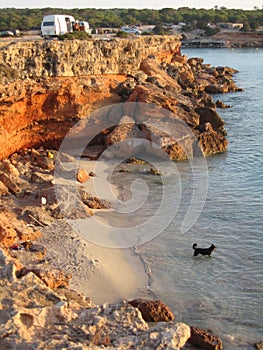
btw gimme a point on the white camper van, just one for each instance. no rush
(54, 25)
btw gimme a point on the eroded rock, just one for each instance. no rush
(205, 339)
(153, 310)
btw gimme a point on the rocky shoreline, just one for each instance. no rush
(44, 91)
(36, 299)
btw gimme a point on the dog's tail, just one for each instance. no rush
(194, 245)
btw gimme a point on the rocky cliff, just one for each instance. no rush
(46, 86)
(45, 58)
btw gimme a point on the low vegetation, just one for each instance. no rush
(29, 19)
(75, 35)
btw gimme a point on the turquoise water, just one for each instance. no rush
(224, 292)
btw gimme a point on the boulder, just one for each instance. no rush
(53, 278)
(211, 142)
(151, 67)
(153, 310)
(125, 129)
(205, 339)
(82, 175)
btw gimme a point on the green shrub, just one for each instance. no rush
(211, 31)
(122, 34)
(75, 35)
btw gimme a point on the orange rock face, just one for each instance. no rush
(35, 113)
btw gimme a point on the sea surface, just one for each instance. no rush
(223, 293)
(218, 200)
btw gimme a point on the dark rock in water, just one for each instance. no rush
(205, 339)
(153, 310)
(211, 116)
(155, 171)
(93, 152)
(221, 104)
(134, 160)
(94, 202)
(211, 143)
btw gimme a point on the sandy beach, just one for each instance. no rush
(104, 274)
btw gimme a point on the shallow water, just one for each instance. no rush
(224, 292)
(220, 201)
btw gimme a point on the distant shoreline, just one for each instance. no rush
(224, 39)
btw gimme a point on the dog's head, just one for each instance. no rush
(213, 247)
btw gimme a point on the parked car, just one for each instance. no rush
(131, 30)
(7, 33)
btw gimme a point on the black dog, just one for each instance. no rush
(203, 251)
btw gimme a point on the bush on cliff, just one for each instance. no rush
(122, 34)
(75, 35)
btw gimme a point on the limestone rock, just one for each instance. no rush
(125, 129)
(51, 277)
(68, 321)
(211, 143)
(144, 69)
(76, 58)
(11, 182)
(12, 229)
(45, 162)
(259, 345)
(9, 168)
(41, 177)
(153, 310)
(7, 267)
(162, 336)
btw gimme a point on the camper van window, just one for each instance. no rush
(48, 24)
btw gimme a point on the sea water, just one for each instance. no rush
(219, 201)
(223, 293)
